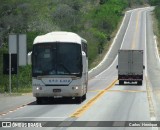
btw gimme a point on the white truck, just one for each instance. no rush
(130, 66)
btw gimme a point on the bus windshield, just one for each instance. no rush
(56, 59)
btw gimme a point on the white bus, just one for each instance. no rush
(59, 66)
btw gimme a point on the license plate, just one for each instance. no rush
(56, 90)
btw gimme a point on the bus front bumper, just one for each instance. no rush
(60, 91)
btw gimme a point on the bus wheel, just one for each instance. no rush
(139, 82)
(78, 100)
(39, 100)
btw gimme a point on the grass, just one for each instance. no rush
(156, 24)
(156, 30)
(21, 83)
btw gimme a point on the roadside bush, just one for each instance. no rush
(157, 14)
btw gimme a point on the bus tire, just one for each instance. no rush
(78, 100)
(139, 82)
(84, 97)
(39, 100)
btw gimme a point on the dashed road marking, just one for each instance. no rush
(12, 110)
(34, 118)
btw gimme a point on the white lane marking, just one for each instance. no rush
(153, 119)
(145, 35)
(156, 52)
(154, 128)
(34, 118)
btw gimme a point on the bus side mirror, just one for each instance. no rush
(117, 67)
(143, 67)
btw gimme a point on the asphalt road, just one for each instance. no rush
(106, 99)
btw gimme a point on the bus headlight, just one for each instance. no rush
(39, 88)
(75, 88)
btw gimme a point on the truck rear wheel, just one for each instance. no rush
(121, 82)
(139, 82)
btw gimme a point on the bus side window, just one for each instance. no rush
(84, 48)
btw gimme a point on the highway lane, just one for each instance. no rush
(106, 101)
(124, 103)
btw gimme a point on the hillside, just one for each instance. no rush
(157, 22)
(94, 20)
(88, 19)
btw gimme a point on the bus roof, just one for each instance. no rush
(59, 37)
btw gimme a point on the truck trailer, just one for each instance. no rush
(130, 66)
